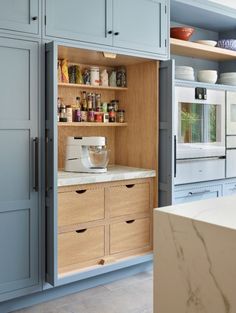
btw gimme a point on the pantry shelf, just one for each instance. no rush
(197, 50)
(82, 86)
(91, 124)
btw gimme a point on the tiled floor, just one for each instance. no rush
(129, 295)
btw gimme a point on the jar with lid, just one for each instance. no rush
(94, 76)
(121, 116)
(115, 104)
(91, 116)
(78, 115)
(63, 116)
(121, 77)
(112, 116)
(84, 116)
(98, 103)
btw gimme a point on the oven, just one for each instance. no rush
(199, 135)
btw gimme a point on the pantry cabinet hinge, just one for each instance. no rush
(45, 20)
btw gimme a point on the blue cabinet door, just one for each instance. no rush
(19, 16)
(19, 168)
(88, 21)
(141, 25)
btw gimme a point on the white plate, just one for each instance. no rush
(211, 43)
(187, 68)
(228, 75)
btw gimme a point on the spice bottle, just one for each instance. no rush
(63, 116)
(69, 113)
(90, 102)
(121, 116)
(98, 103)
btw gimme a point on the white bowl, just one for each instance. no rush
(187, 68)
(228, 75)
(184, 77)
(207, 76)
(211, 43)
(228, 81)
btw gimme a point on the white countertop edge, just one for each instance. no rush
(219, 211)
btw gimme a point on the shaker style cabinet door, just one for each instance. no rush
(89, 21)
(141, 25)
(19, 169)
(19, 15)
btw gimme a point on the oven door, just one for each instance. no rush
(231, 113)
(200, 124)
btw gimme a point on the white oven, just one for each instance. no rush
(200, 135)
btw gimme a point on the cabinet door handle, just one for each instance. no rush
(130, 186)
(110, 32)
(36, 164)
(34, 18)
(116, 33)
(130, 221)
(198, 193)
(79, 231)
(81, 191)
(175, 155)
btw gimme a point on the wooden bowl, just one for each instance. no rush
(183, 33)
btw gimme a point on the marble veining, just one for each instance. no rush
(114, 173)
(195, 257)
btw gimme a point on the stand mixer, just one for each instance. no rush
(86, 155)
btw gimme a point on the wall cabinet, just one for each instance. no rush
(20, 16)
(19, 168)
(140, 26)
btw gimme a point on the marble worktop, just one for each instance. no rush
(195, 257)
(218, 211)
(114, 173)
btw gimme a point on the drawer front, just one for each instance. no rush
(128, 199)
(80, 246)
(230, 189)
(129, 235)
(80, 206)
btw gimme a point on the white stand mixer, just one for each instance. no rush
(86, 155)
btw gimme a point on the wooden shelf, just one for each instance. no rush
(200, 51)
(91, 124)
(82, 86)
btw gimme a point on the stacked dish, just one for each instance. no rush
(228, 79)
(184, 73)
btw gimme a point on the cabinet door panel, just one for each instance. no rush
(141, 25)
(80, 20)
(19, 228)
(18, 15)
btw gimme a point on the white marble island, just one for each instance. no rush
(195, 257)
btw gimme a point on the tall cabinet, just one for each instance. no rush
(19, 168)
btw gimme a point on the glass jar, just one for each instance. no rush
(121, 116)
(121, 77)
(69, 114)
(94, 76)
(112, 116)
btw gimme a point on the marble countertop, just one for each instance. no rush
(219, 211)
(114, 173)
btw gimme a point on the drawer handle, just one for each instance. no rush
(130, 221)
(81, 231)
(198, 193)
(81, 191)
(130, 186)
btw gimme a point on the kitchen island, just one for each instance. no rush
(195, 257)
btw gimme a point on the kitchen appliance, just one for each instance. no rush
(230, 134)
(199, 135)
(86, 155)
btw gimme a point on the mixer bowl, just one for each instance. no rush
(98, 156)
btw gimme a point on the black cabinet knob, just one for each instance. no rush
(116, 33)
(110, 32)
(34, 18)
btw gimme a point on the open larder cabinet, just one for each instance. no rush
(133, 143)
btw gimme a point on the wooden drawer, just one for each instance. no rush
(128, 199)
(80, 206)
(129, 235)
(80, 246)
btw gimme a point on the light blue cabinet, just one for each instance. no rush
(19, 168)
(141, 25)
(115, 25)
(198, 193)
(230, 189)
(89, 21)
(20, 16)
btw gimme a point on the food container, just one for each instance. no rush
(121, 116)
(121, 77)
(91, 116)
(112, 116)
(98, 117)
(78, 117)
(84, 116)
(94, 76)
(69, 114)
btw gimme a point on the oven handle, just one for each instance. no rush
(202, 159)
(198, 193)
(175, 155)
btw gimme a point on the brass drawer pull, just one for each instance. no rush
(130, 222)
(81, 231)
(81, 191)
(130, 186)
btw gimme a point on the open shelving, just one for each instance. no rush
(83, 86)
(200, 51)
(91, 124)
